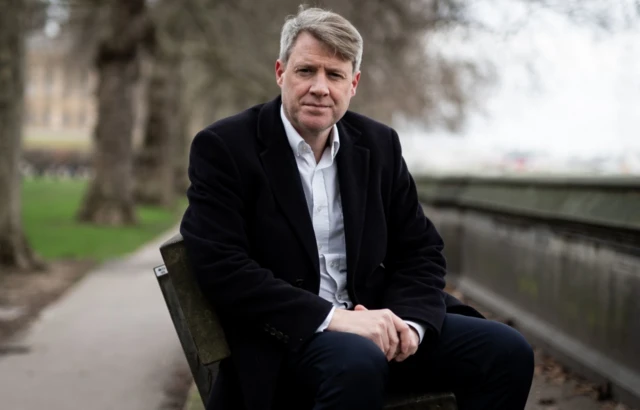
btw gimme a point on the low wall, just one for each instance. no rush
(559, 257)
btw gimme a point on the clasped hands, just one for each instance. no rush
(397, 339)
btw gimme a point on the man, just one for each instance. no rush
(305, 233)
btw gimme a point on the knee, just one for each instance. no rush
(521, 351)
(358, 359)
(516, 353)
(351, 365)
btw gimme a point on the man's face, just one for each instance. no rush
(316, 85)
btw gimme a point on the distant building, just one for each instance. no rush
(59, 90)
(60, 103)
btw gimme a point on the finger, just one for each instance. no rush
(392, 332)
(405, 341)
(409, 343)
(407, 346)
(393, 342)
(400, 324)
(401, 357)
(359, 307)
(415, 342)
(383, 336)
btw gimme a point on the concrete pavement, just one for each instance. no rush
(107, 344)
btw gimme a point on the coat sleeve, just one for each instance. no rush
(218, 249)
(415, 264)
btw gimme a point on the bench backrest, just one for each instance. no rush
(197, 325)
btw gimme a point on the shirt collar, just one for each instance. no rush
(297, 142)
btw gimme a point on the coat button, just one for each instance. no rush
(285, 339)
(273, 332)
(266, 327)
(279, 335)
(299, 282)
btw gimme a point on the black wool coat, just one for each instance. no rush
(250, 242)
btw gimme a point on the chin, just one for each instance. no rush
(317, 124)
(316, 127)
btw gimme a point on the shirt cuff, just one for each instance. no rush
(327, 320)
(419, 328)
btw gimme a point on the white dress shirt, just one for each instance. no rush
(322, 192)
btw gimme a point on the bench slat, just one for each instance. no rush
(202, 321)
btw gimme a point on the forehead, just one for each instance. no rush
(308, 49)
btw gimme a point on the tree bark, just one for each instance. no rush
(109, 198)
(15, 252)
(184, 137)
(154, 164)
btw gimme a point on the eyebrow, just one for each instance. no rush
(314, 66)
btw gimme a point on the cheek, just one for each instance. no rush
(341, 96)
(297, 95)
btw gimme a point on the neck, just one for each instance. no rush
(317, 142)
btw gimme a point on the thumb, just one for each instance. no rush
(359, 308)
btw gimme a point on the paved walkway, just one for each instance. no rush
(107, 344)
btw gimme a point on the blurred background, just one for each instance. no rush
(99, 100)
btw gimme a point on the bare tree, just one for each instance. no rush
(181, 153)
(109, 198)
(399, 75)
(15, 252)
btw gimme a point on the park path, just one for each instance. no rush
(107, 344)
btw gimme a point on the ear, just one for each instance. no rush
(354, 83)
(280, 69)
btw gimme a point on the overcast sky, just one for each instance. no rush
(563, 88)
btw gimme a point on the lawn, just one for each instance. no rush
(48, 211)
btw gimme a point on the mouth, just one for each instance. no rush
(316, 105)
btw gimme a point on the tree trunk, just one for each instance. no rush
(154, 165)
(14, 250)
(181, 156)
(109, 198)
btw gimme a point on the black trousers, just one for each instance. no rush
(488, 366)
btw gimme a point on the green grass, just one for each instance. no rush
(194, 402)
(49, 209)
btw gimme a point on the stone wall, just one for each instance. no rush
(559, 258)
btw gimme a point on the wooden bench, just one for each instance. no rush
(203, 339)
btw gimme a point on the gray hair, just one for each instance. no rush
(327, 27)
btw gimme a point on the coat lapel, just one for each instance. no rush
(282, 171)
(353, 175)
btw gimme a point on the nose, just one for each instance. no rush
(320, 85)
